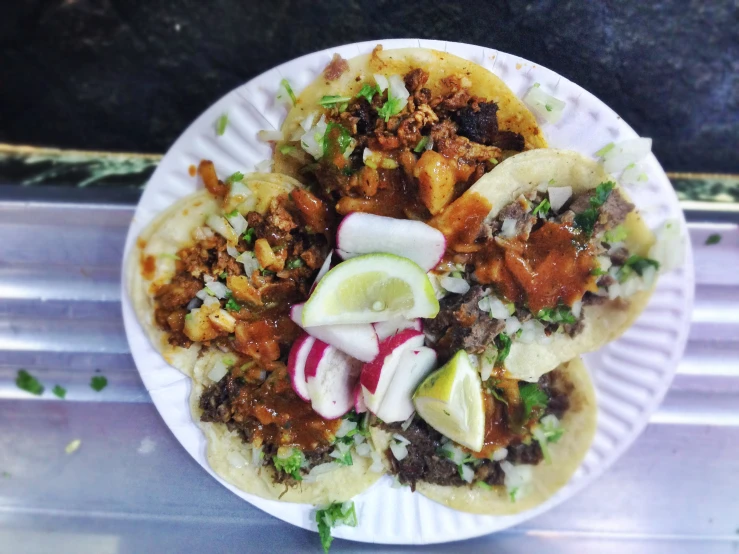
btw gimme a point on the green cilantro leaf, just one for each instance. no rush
(421, 144)
(338, 133)
(597, 271)
(284, 83)
(617, 234)
(249, 235)
(532, 397)
(493, 161)
(331, 101)
(59, 391)
(287, 149)
(27, 382)
(560, 314)
(494, 392)
(713, 239)
(543, 208)
(636, 264)
(605, 150)
(290, 463)
(548, 107)
(237, 176)
(295, 263)
(345, 459)
(232, 305)
(332, 516)
(503, 342)
(368, 91)
(589, 217)
(98, 383)
(169, 256)
(221, 124)
(484, 485)
(390, 108)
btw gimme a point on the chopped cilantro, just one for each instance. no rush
(59, 391)
(345, 459)
(223, 275)
(284, 83)
(548, 107)
(267, 272)
(221, 124)
(237, 176)
(332, 101)
(290, 464)
(293, 264)
(588, 218)
(503, 342)
(368, 91)
(605, 150)
(343, 139)
(543, 208)
(513, 494)
(636, 264)
(249, 235)
(169, 256)
(617, 234)
(597, 271)
(493, 161)
(560, 314)
(421, 144)
(532, 397)
(494, 392)
(232, 305)
(484, 485)
(287, 149)
(98, 383)
(233, 213)
(27, 382)
(332, 516)
(390, 108)
(713, 239)
(552, 181)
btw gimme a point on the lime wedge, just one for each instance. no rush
(450, 400)
(371, 288)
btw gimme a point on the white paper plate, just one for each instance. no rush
(631, 375)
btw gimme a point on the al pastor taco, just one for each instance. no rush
(402, 133)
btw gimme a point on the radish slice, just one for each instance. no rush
(361, 233)
(386, 329)
(359, 341)
(296, 365)
(324, 269)
(377, 375)
(359, 406)
(413, 365)
(331, 377)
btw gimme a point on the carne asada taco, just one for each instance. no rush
(217, 260)
(213, 280)
(265, 440)
(536, 435)
(557, 258)
(402, 133)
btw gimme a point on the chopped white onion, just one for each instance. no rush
(407, 423)
(377, 465)
(312, 139)
(544, 105)
(400, 451)
(396, 483)
(256, 456)
(577, 308)
(208, 278)
(345, 427)
(604, 263)
(359, 439)
(508, 229)
(467, 473)
(265, 166)
(381, 81)
(307, 123)
(232, 251)
(238, 223)
(439, 291)
(270, 136)
(512, 325)
(350, 149)
(236, 460)
(363, 449)
(455, 453)
(487, 362)
(457, 285)
(202, 294)
(218, 289)
(494, 306)
(222, 227)
(321, 469)
(249, 260)
(621, 154)
(517, 478)
(429, 144)
(202, 233)
(401, 439)
(474, 362)
(558, 197)
(500, 454)
(633, 174)
(366, 154)
(396, 88)
(669, 249)
(211, 301)
(649, 276)
(218, 371)
(532, 331)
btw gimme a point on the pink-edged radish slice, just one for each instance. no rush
(386, 329)
(413, 366)
(324, 269)
(331, 377)
(296, 364)
(361, 233)
(359, 406)
(377, 375)
(358, 340)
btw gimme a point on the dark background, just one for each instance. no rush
(129, 75)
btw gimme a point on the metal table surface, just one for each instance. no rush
(131, 488)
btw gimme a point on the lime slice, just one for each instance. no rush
(450, 400)
(371, 288)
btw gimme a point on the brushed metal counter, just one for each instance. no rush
(131, 488)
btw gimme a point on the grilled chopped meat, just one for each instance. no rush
(336, 68)
(479, 122)
(613, 212)
(415, 79)
(508, 140)
(520, 453)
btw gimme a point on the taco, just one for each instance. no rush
(402, 133)
(536, 435)
(212, 280)
(557, 261)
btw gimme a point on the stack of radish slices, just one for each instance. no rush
(375, 365)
